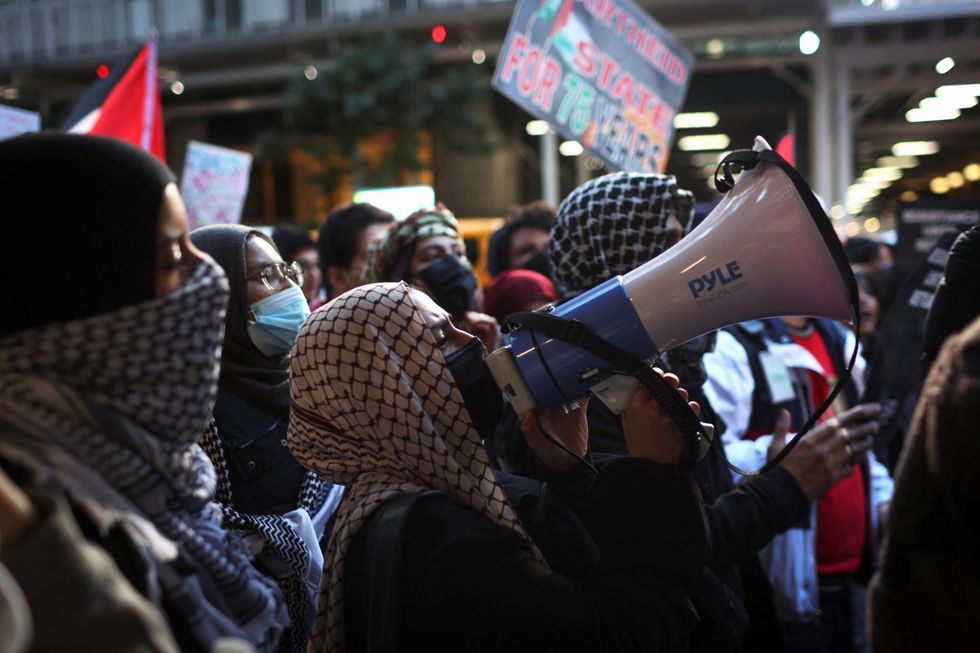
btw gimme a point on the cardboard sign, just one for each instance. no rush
(14, 122)
(601, 72)
(214, 184)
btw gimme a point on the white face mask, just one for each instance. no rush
(277, 321)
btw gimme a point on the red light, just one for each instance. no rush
(438, 33)
(102, 71)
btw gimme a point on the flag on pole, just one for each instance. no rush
(126, 104)
(786, 147)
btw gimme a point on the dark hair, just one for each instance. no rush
(862, 251)
(536, 215)
(340, 233)
(290, 240)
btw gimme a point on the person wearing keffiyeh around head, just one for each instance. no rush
(383, 400)
(104, 394)
(426, 250)
(281, 507)
(610, 226)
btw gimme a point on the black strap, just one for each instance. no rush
(384, 557)
(578, 334)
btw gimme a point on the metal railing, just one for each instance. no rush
(49, 30)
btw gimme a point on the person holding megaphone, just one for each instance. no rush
(428, 553)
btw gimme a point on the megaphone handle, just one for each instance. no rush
(579, 334)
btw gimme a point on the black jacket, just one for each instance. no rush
(470, 585)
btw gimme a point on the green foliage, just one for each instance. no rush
(383, 88)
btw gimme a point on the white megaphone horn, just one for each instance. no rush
(767, 250)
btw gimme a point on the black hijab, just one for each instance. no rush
(245, 371)
(81, 213)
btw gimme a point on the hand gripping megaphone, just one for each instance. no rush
(766, 250)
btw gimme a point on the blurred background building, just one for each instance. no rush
(880, 94)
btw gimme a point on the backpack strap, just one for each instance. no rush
(384, 557)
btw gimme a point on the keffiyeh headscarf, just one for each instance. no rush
(109, 407)
(376, 408)
(613, 224)
(390, 257)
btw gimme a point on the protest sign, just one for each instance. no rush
(920, 224)
(601, 72)
(14, 122)
(214, 184)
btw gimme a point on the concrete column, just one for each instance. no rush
(844, 133)
(550, 191)
(821, 129)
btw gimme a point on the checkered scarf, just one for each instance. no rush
(612, 225)
(388, 257)
(109, 408)
(376, 408)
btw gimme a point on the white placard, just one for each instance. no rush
(14, 122)
(214, 184)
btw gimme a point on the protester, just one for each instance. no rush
(262, 488)
(926, 594)
(105, 392)
(869, 297)
(817, 570)
(343, 244)
(610, 226)
(876, 259)
(522, 243)
(518, 290)
(426, 250)
(296, 246)
(384, 401)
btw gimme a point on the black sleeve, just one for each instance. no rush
(745, 519)
(470, 585)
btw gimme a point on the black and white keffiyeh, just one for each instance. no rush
(300, 581)
(375, 407)
(109, 408)
(613, 224)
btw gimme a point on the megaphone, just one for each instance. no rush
(766, 250)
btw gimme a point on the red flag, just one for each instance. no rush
(126, 104)
(786, 147)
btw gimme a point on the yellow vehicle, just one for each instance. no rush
(476, 234)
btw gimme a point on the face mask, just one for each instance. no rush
(687, 361)
(452, 283)
(480, 394)
(277, 321)
(540, 263)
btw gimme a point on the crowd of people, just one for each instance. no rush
(226, 441)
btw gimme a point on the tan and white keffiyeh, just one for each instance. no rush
(375, 407)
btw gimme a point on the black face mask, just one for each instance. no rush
(687, 361)
(452, 283)
(483, 400)
(540, 263)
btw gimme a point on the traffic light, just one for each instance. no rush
(439, 34)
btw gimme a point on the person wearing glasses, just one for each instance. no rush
(264, 492)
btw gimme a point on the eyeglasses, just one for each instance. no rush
(276, 276)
